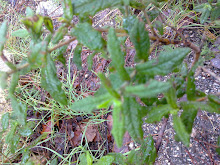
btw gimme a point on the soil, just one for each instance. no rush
(206, 127)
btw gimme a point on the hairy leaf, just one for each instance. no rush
(116, 55)
(68, 12)
(191, 87)
(5, 121)
(105, 160)
(148, 150)
(133, 118)
(59, 34)
(51, 83)
(77, 57)
(48, 23)
(140, 39)
(22, 33)
(118, 129)
(165, 64)
(3, 32)
(188, 115)
(25, 156)
(108, 86)
(149, 90)
(171, 97)
(26, 131)
(90, 103)
(157, 112)
(3, 78)
(181, 131)
(208, 106)
(91, 7)
(88, 36)
(60, 54)
(38, 54)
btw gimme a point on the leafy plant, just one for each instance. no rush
(123, 86)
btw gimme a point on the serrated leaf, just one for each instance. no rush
(88, 36)
(68, 12)
(77, 57)
(3, 32)
(187, 116)
(108, 86)
(48, 23)
(118, 128)
(133, 118)
(38, 54)
(116, 54)
(25, 156)
(208, 106)
(60, 54)
(22, 33)
(149, 90)
(59, 34)
(140, 39)
(3, 78)
(165, 64)
(148, 151)
(90, 103)
(129, 22)
(105, 160)
(25, 131)
(171, 97)
(91, 7)
(5, 121)
(159, 26)
(51, 83)
(19, 111)
(180, 129)
(157, 112)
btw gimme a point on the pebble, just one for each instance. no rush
(215, 62)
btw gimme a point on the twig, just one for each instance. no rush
(190, 156)
(160, 134)
(62, 44)
(211, 73)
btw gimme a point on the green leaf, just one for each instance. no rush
(90, 103)
(22, 33)
(119, 158)
(165, 64)
(149, 90)
(133, 118)
(19, 111)
(140, 39)
(59, 34)
(157, 112)
(3, 32)
(117, 56)
(25, 155)
(48, 23)
(107, 84)
(60, 54)
(129, 22)
(214, 99)
(38, 54)
(215, 13)
(159, 26)
(88, 36)
(148, 151)
(91, 7)
(5, 121)
(29, 12)
(205, 13)
(77, 57)
(191, 87)
(187, 116)
(205, 106)
(68, 12)
(118, 128)
(51, 83)
(218, 143)
(3, 78)
(171, 97)
(25, 131)
(181, 131)
(105, 160)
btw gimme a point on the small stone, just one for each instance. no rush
(215, 62)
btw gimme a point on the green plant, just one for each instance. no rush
(121, 87)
